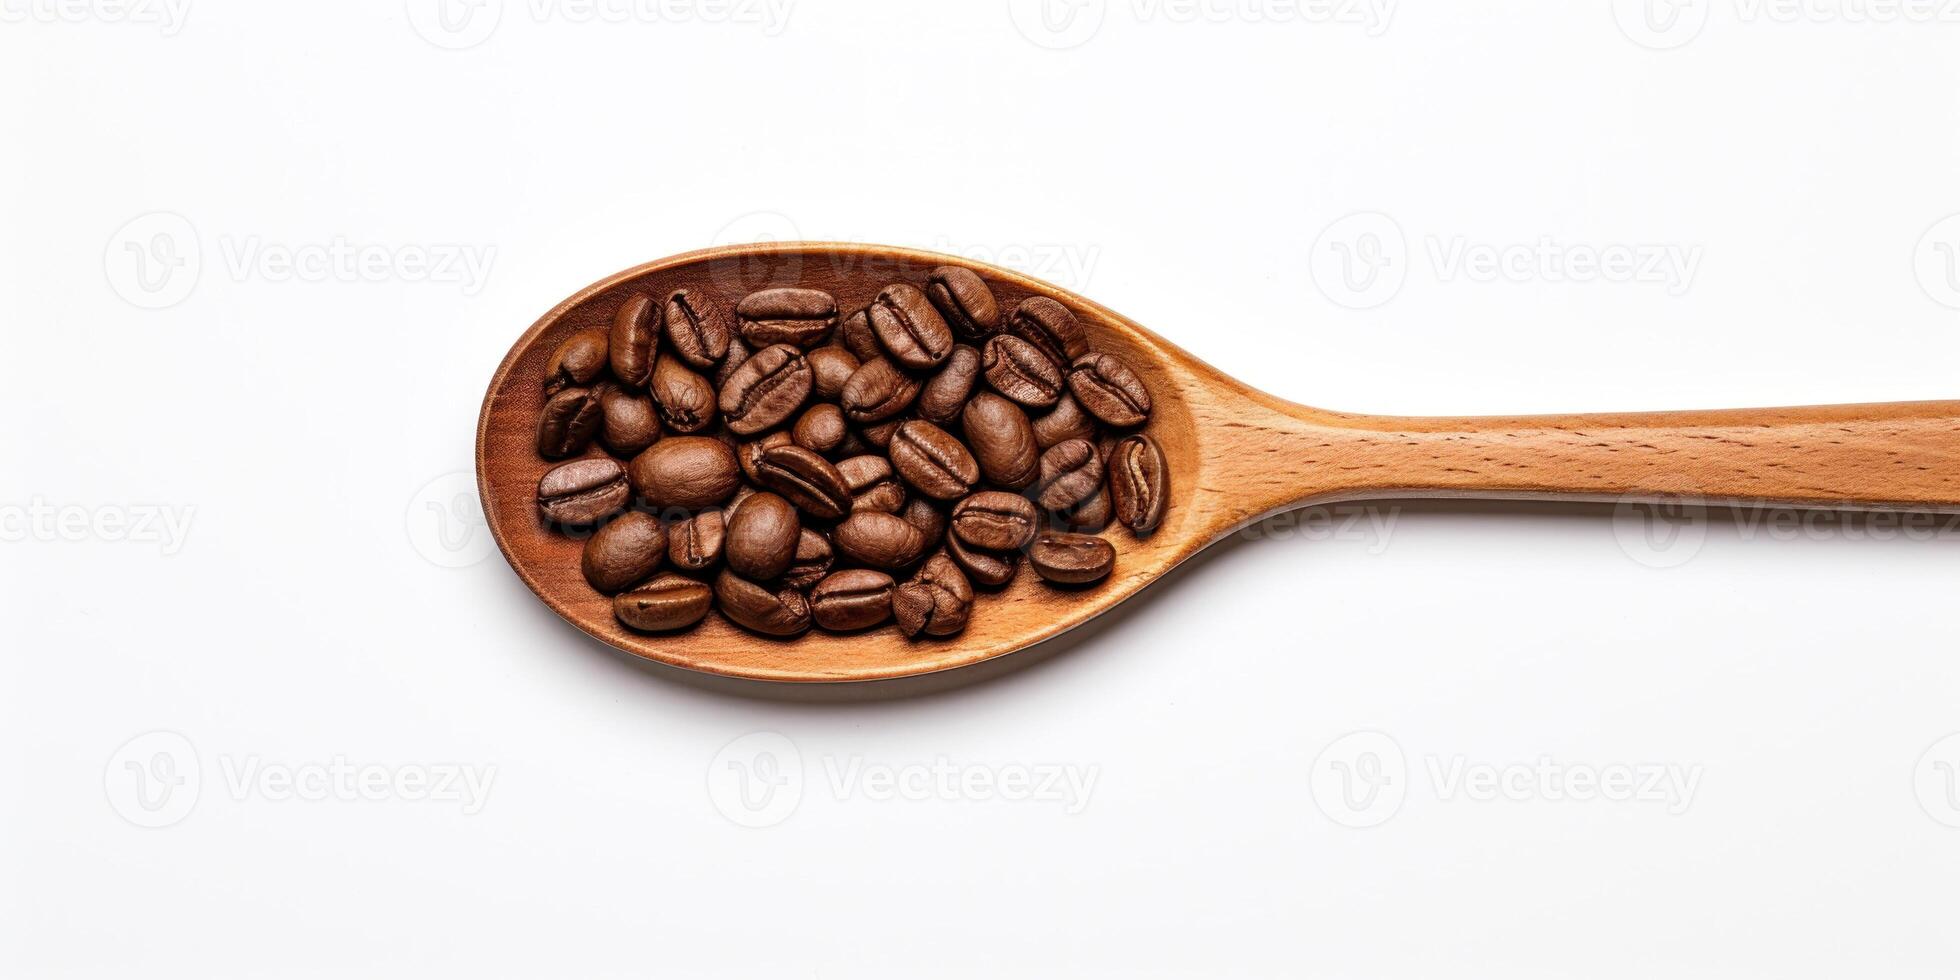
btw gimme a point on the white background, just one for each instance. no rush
(332, 602)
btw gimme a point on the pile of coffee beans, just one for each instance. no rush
(789, 466)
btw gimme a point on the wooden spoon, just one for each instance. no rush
(1235, 455)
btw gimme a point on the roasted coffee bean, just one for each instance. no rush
(629, 424)
(749, 454)
(742, 493)
(767, 389)
(1109, 390)
(877, 391)
(738, 355)
(928, 458)
(983, 567)
(689, 472)
(1071, 559)
(762, 534)
(808, 480)
(633, 344)
(820, 428)
(831, 367)
(1090, 515)
(928, 517)
(942, 397)
(685, 399)
(856, 336)
(964, 300)
(814, 557)
(1065, 421)
(780, 613)
(625, 551)
(582, 492)
(696, 543)
(853, 599)
(935, 602)
(697, 328)
(1139, 483)
(802, 318)
(880, 435)
(670, 602)
(569, 419)
(853, 445)
(879, 540)
(908, 328)
(887, 497)
(1071, 472)
(1002, 440)
(577, 361)
(1050, 328)
(995, 520)
(1024, 374)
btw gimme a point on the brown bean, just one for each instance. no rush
(1015, 368)
(802, 318)
(1139, 483)
(1071, 472)
(577, 361)
(634, 341)
(855, 335)
(697, 328)
(669, 602)
(983, 567)
(878, 391)
(1110, 390)
(995, 520)
(928, 458)
(820, 428)
(625, 551)
(689, 472)
(1071, 559)
(831, 367)
(936, 602)
(582, 492)
(1091, 515)
(629, 424)
(765, 390)
(749, 454)
(1050, 328)
(879, 540)
(928, 517)
(696, 543)
(779, 613)
(807, 479)
(1065, 421)
(964, 300)
(941, 399)
(1002, 440)
(738, 355)
(813, 559)
(880, 435)
(853, 599)
(908, 328)
(762, 536)
(568, 421)
(686, 400)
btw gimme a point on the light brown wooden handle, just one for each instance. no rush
(1836, 456)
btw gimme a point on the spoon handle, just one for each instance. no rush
(1904, 454)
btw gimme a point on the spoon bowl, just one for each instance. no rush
(1234, 455)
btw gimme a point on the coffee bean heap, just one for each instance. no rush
(789, 467)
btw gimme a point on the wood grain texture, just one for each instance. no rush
(1235, 455)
